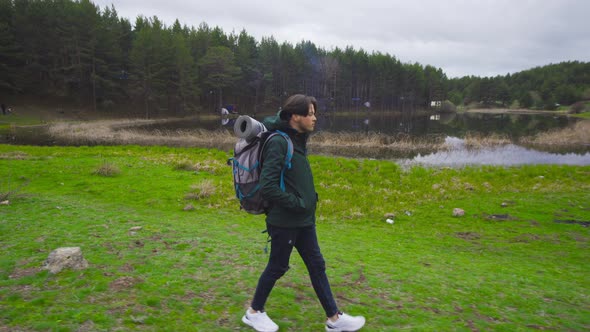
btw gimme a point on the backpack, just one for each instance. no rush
(247, 166)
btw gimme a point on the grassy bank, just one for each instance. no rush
(169, 250)
(11, 120)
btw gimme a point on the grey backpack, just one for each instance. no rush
(247, 165)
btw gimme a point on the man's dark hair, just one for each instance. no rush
(297, 104)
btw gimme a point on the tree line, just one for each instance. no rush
(77, 51)
(544, 87)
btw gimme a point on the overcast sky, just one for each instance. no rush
(481, 38)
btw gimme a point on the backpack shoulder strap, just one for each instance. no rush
(288, 156)
(290, 149)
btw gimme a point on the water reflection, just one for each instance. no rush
(506, 155)
(449, 124)
(412, 123)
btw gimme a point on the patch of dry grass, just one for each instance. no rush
(121, 132)
(107, 169)
(9, 189)
(373, 144)
(210, 166)
(15, 155)
(327, 139)
(351, 144)
(477, 141)
(124, 132)
(201, 190)
(578, 135)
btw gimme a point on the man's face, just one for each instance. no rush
(304, 124)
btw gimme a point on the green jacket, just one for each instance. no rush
(295, 207)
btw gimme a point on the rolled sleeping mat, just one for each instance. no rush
(247, 128)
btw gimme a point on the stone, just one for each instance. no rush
(135, 228)
(389, 215)
(458, 212)
(66, 257)
(5, 203)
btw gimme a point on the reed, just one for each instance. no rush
(349, 144)
(121, 132)
(374, 144)
(478, 141)
(576, 136)
(400, 141)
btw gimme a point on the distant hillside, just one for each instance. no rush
(542, 87)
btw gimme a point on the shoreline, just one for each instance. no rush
(432, 151)
(73, 130)
(514, 111)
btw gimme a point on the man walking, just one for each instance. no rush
(290, 217)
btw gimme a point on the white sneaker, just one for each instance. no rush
(260, 321)
(345, 323)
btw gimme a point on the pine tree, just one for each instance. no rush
(10, 52)
(150, 64)
(219, 70)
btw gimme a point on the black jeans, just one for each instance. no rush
(282, 242)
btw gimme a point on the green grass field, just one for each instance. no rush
(517, 261)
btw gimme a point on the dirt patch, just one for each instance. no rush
(349, 300)
(189, 296)
(431, 309)
(12, 329)
(483, 317)
(541, 328)
(573, 222)
(24, 272)
(87, 326)
(223, 321)
(299, 297)
(124, 283)
(15, 155)
(499, 217)
(526, 238)
(25, 291)
(361, 277)
(579, 237)
(127, 268)
(136, 244)
(468, 236)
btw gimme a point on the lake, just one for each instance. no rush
(449, 124)
(454, 126)
(506, 155)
